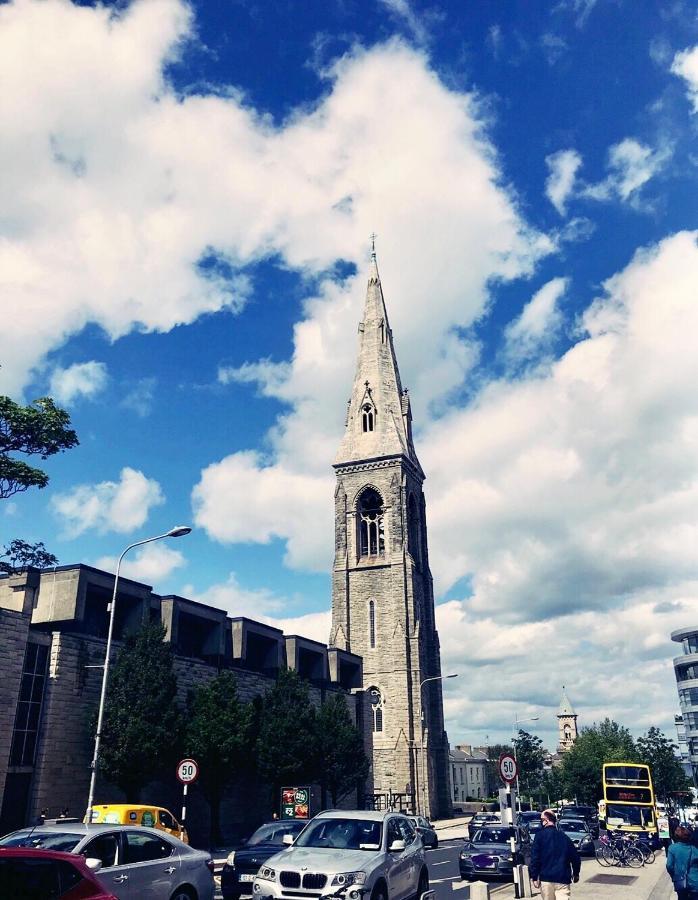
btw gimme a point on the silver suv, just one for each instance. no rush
(377, 855)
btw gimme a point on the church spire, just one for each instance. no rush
(379, 418)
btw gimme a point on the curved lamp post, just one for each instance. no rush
(177, 531)
(421, 742)
(517, 722)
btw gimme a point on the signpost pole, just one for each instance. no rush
(187, 773)
(184, 808)
(508, 772)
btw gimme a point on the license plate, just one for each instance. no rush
(246, 877)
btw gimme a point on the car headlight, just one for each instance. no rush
(266, 874)
(230, 861)
(465, 854)
(342, 878)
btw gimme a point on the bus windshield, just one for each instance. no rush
(622, 814)
(628, 775)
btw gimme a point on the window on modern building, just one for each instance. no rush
(372, 623)
(686, 673)
(691, 721)
(688, 696)
(26, 727)
(371, 527)
(368, 417)
(376, 699)
(690, 644)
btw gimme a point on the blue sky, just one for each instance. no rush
(187, 195)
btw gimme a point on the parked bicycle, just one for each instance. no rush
(619, 851)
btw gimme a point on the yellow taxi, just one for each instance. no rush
(134, 814)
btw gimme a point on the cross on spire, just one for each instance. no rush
(372, 237)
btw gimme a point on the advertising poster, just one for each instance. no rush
(295, 803)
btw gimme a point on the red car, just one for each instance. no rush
(48, 875)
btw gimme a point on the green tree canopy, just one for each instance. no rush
(581, 769)
(659, 753)
(530, 758)
(494, 751)
(17, 556)
(141, 732)
(342, 760)
(40, 429)
(218, 737)
(286, 746)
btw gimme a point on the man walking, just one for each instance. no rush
(554, 860)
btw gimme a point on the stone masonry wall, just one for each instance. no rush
(14, 628)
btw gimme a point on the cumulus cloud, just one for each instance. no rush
(685, 65)
(79, 380)
(534, 331)
(559, 185)
(117, 506)
(151, 564)
(630, 166)
(140, 397)
(270, 377)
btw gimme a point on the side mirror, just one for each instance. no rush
(397, 846)
(287, 839)
(93, 864)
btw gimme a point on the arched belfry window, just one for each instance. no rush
(371, 623)
(376, 699)
(371, 527)
(568, 733)
(368, 417)
(413, 530)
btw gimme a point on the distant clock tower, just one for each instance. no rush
(566, 724)
(382, 594)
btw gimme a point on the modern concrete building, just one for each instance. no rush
(686, 671)
(382, 594)
(53, 628)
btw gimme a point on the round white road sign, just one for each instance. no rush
(508, 769)
(187, 771)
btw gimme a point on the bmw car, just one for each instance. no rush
(242, 864)
(489, 853)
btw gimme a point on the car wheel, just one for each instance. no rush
(379, 893)
(183, 894)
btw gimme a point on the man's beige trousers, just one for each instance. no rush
(550, 890)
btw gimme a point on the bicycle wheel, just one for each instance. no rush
(601, 857)
(634, 858)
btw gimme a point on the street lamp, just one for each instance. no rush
(421, 735)
(517, 722)
(177, 531)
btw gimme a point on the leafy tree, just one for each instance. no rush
(659, 753)
(286, 741)
(341, 757)
(530, 757)
(20, 555)
(142, 722)
(40, 429)
(218, 738)
(550, 789)
(581, 769)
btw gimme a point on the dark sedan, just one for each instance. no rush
(579, 832)
(242, 865)
(479, 820)
(489, 852)
(530, 821)
(426, 831)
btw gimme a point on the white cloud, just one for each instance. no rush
(630, 166)
(402, 10)
(108, 506)
(685, 65)
(270, 376)
(141, 397)
(151, 564)
(538, 325)
(559, 185)
(79, 380)
(582, 9)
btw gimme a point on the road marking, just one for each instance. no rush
(444, 862)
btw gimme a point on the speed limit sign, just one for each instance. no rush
(187, 771)
(508, 769)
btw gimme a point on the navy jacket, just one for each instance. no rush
(553, 857)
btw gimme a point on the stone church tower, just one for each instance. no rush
(566, 723)
(382, 594)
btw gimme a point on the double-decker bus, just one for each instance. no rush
(628, 799)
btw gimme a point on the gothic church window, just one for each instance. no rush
(568, 733)
(367, 417)
(413, 536)
(376, 709)
(371, 526)
(372, 623)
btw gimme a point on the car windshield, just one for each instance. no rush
(274, 832)
(530, 816)
(342, 834)
(569, 825)
(64, 841)
(493, 835)
(620, 814)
